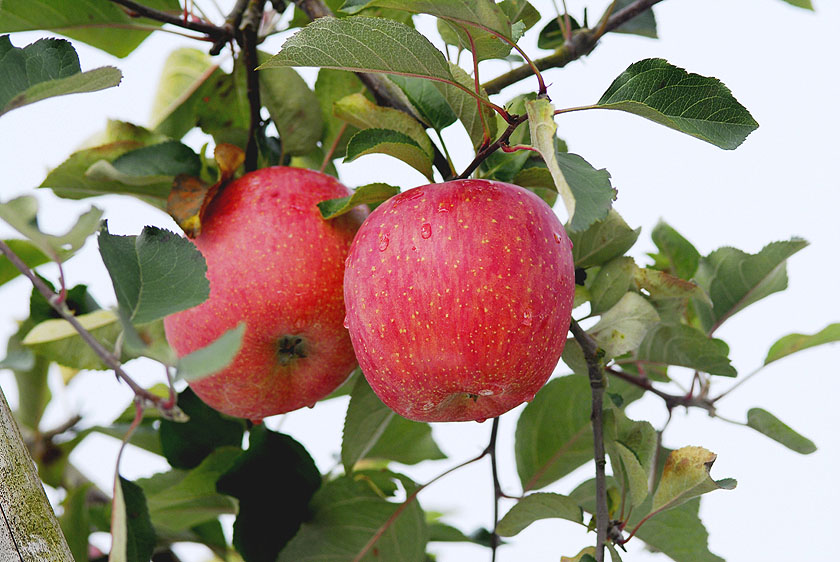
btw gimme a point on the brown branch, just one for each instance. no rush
(104, 354)
(219, 35)
(581, 43)
(597, 382)
(671, 400)
(379, 86)
(249, 24)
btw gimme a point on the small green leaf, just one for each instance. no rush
(427, 100)
(45, 69)
(603, 241)
(164, 159)
(274, 476)
(359, 111)
(679, 534)
(331, 86)
(363, 44)
(553, 35)
(806, 4)
(407, 442)
(212, 358)
(132, 533)
(186, 445)
(682, 255)
(21, 214)
(611, 283)
(27, 252)
(696, 105)
(735, 279)
(685, 346)
(370, 193)
(661, 285)
(643, 24)
(105, 26)
(686, 475)
(533, 507)
(632, 448)
(768, 424)
(793, 343)
(344, 515)
(182, 70)
(58, 340)
(474, 117)
(155, 274)
(366, 420)
(623, 327)
(392, 143)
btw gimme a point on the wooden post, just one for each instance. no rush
(29, 530)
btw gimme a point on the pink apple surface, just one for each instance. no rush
(276, 265)
(459, 297)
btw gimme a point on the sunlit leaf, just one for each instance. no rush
(359, 111)
(392, 143)
(611, 283)
(771, 426)
(370, 193)
(533, 507)
(793, 343)
(27, 252)
(59, 341)
(427, 100)
(132, 534)
(682, 255)
(806, 4)
(696, 105)
(212, 358)
(623, 327)
(686, 475)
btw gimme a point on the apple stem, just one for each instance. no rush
(489, 149)
(594, 362)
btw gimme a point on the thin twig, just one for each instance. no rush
(212, 31)
(580, 44)
(110, 360)
(497, 488)
(671, 400)
(597, 383)
(249, 27)
(486, 151)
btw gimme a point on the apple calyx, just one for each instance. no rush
(289, 348)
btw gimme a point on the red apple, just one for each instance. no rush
(276, 265)
(459, 297)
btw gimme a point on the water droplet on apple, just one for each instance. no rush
(425, 231)
(558, 238)
(346, 322)
(527, 318)
(481, 420)
(486, 392)
(383, 242)
(427, 406)
(442, 209)
(310, 406)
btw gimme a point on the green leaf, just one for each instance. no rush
(293, 108)
(553, 35)
(181, 499)
(553, 434)
(771, 426)
(21, 214)
(696, 105)
(57, 340)
(183, 70)
(735, 279)
(806, 4)
(164, 159)
(793, 343)
(632, 447)
(685, 346)
(370, 193)
(131, 529)
(623, 327)
(679, 534)
(392, 143)
(407, 442)
(366, 420)
(154, 274)
(685, 476)
(186, 445)
(427, 99)
(363, 44)
(473, 117)
(331, 86)
(611, 283)
(345, 514)
(680, 253)
(103, 25)
(359, 111)
(585, 191)
(661, 285)
(520, 10)
(533, 507)
(27, 252)
(45, 69)
(274, 476)
(212, 358)
(603, 241)
(643, 24)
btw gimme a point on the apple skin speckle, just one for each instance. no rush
(464, 315)
(276, 265)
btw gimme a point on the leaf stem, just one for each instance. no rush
(597, 383)
(486, 151)
(580, 44)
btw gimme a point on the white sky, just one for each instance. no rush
(780, 62)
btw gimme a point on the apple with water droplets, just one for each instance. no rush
(276, 265)
(459, 297)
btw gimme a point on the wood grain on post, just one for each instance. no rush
(29, 530)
